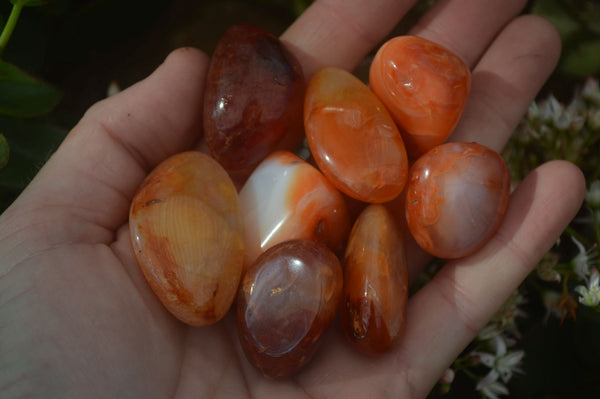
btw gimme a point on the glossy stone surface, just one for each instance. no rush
(375, 282)
(424, 86)
(286, 198)
(286, 300)
(187, 236)
(456, 197)
(253, 99)
(352, 137)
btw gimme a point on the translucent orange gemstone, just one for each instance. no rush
(253, 99)
(286, 300)
(287, 198)
(424, 86)
(352, 137)
(456, 197)
(375, 282)
(187, 235)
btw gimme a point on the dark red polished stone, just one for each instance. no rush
(286, 300)
(253, 99)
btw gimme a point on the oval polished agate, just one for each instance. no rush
(286, 300)
(375, 282)
(352, 137)
(187, 236)
(456, 197)
(424, 86)
(287, 198)
(253, 99)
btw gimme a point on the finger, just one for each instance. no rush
(91, 178)
(466, 27)
(507, 79)
(340, 33)
(505, 82)
(466, 293)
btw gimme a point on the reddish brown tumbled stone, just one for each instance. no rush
(286, 300)
(253, 99)
(375, 282)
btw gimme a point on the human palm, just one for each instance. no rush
(77, 318)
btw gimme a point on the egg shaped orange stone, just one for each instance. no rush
(456, 198)
(424, 86)
(287, 198)
(375, 282)
(187, 236)
(352, 137)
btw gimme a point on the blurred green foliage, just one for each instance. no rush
(578, 22)
(23, 95)
(4, 151)
(24, 98)
(46, 71)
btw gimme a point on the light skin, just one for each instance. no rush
(77, 318)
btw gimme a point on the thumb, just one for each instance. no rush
(83, 192)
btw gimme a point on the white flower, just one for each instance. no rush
(583, 260)
(503, 363)
(490, 387)
(593, 118)
(448, 376)
(562, 120)
(545, 131)
(591, 91)
(446, 381)
(113, 88)
(534, 111)
(545, 268)
(553, 114)
(505, 319)
(551, 301)
(491, 330)
(549, 109)
(590, 295)
(592, 196)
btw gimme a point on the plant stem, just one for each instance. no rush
(595, 214)
(10, 25)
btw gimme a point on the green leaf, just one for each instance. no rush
(554, 11)
(582, 59)
(22, 95)
(29, 3)
(4, 151)
(31, 141)
(299, 6)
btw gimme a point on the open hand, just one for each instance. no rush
(77, 318)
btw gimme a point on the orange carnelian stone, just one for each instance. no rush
(375, 282)
(456, 197)
(352, 137)
(253, 99)
(287, 198)
(187, 235)
(286, 301)
(424, 86)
